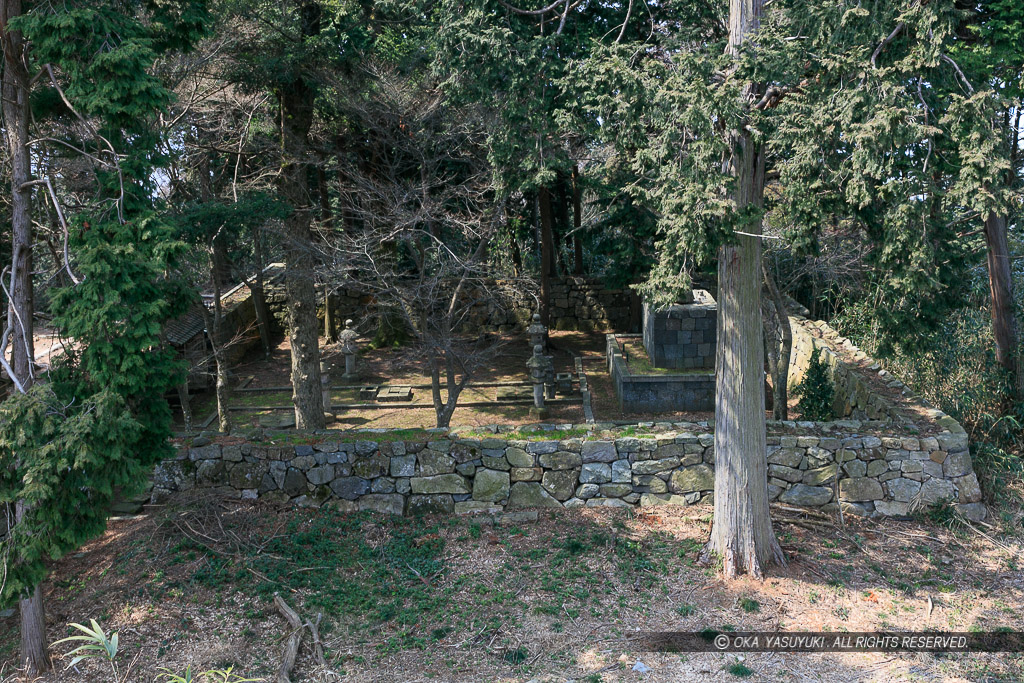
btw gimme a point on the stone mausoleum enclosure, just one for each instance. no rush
(680, 345)
(888, 453)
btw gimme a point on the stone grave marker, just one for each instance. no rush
(394, 394)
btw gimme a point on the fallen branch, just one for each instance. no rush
(318, 648)
(291, 649)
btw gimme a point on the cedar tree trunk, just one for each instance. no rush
(15, 96)
(742, 530)
(1000, 285)
(300, 288)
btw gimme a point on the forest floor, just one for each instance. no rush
(550, 599)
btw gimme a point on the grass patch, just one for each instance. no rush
(740, 670)
(749, 605)
(327, 558)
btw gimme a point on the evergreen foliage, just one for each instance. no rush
(816, 390)
(96, 424)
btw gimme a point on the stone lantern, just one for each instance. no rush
(538, 373)
(537, 331)
(348, 337)
(325, 384)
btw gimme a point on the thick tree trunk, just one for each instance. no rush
(784, 347)
(1000, 285)
(259, 294)
(214, 326)
(15, 97)
(300, 287)
(742, 530)
(577, 222)
(547, 254)
(16, 119)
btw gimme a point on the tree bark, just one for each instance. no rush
(577, 222)
(303, 329)
(1000, 285)
(214, 327)
(547, 254)
(15, 96)
(259, 294)
(16, 119)
(742, 530)
(784, 347)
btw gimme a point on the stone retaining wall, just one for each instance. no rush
(577, 303)
(862, 466)
(854, 397)
(587, 304)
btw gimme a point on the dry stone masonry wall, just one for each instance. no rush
(577, 303)
(854, 396)
(854, 464)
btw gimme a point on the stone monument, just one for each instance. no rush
(348, 337)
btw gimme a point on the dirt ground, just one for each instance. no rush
(395, 367)
(548, 600)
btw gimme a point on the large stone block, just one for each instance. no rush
(432, 463)
(821, 475)
(968, 489)
(596, 473)
(785, 473)
(860, 489)
(323, 474)
(490, 485)
(935, 491)
(787, 457)
(541, 447)
(649, 483)
(386, 503)
(517, 457)
(210, 473)
(903, 490)
(433, 504)
(957, 464)
(530, 494)
(652, 499)
(403, 465)
(442, 483)
(599, 451)
(976, 512)
(350, 488)
(247, 475)
(560, 483)
(560, 460)
(655, 466)
(807, 496)
(616, 490)
(696, 478)
(368, 468)
(892, 508)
